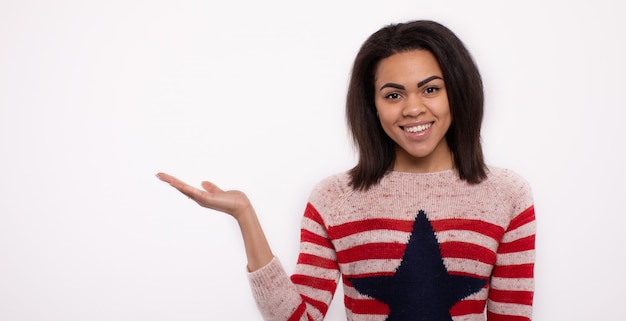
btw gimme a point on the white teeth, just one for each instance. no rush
(418, 128)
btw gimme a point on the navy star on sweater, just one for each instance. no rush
(421, 289)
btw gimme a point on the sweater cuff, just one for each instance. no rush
(268, 278)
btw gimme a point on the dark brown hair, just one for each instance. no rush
(463, 86)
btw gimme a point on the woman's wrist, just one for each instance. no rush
(258, 251)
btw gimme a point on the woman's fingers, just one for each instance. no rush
(182, 187)
(167, 178)
(211, 188)
(211, 197)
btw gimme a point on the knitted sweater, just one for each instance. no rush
(413, 247)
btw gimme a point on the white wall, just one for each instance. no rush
(97, 96)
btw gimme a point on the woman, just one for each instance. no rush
(420, 228)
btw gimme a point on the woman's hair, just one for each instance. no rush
(463, 86)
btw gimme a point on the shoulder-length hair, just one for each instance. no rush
(465, 97)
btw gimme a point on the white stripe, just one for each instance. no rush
(373, 236)
(468, 266)
(505, 284)
(521, 232)
(313, 227)
(365, 317)
(370, 266)
(516, 258)
(468, 237)
(315, 314)
(315, 294)
(470, 317)
(480, 295)
(318, 272)
(353, 293)
(318, 250)
(510, 308)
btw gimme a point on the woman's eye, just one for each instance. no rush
(431, 90)
(393, 96)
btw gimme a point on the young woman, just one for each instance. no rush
(420, 228)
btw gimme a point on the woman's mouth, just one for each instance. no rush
(418, 128)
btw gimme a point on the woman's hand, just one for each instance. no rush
(234, 203)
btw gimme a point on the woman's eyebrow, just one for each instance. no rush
(419, 84)
(392, 85)
(427, 80)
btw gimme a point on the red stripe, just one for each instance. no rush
(468, 307)
(514, 271)
(366, 306)
(310, 237)
(316, 283)
(350, 228)
(517, 297)
(472, 275)
(315, 260)
(366, 275)
(524, 244)
(371, 251)
(298, 313)
(493, 231)
(311, 213)
(503, 317)
(319, 305)
(525, 217)
(464, 250)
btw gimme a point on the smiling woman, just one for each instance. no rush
(413, 109)
(421, 228)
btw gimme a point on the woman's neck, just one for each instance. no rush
(440, 159)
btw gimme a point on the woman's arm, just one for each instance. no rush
(304, 296)
(236, 204)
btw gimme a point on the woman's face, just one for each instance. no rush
(413, 109)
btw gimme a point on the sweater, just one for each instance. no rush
(425, 246)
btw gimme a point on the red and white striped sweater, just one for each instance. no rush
(413, 247)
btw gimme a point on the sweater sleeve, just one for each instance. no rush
(276, 296)
(307, 294)
(512, 281)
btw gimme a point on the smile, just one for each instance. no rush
(418, 128)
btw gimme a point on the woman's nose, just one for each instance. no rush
(413, 107)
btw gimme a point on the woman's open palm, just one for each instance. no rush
(234, 203)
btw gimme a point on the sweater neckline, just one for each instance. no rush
(442, 173)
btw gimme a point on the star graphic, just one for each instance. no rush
(421, 289)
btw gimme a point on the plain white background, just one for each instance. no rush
(98, 96)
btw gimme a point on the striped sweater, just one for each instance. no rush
(413, 247)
